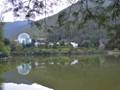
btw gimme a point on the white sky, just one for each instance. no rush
(8, 17)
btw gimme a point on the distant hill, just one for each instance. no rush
(13, 29)
(70, 25)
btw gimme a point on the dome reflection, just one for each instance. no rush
(24, 69)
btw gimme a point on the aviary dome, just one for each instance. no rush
(24, 37)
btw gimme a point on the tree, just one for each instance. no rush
(1, 31)
(4, 49)
(6, 41)
(29, 9)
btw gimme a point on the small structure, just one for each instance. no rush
(36, 44)
(24, 38)
(40, 41)
(51, 44)
(75, 45)
(57, 43)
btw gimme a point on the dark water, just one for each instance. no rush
(64, 73)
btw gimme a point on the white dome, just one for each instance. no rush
(23, 37)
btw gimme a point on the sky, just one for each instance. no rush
(8, 17)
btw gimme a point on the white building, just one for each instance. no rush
(75, 45)
(36, 44)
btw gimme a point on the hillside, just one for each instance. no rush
(74, 24)
(13, 29)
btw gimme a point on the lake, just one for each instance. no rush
(94, 72)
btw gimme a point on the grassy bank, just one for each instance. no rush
(60, 50)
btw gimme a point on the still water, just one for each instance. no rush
(64, 73)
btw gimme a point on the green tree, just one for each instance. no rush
(1, 30)
(101, 47)
(4, 48)
(6, 41)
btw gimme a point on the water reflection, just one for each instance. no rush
(24, 69)
(51, 63)
(76, 73)
(14, 86)
(74, 62)
(101, 60)
(36, 63)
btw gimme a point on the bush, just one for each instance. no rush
(62, 42)
(116, 50)
(86, 43)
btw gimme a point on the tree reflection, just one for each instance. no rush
(101, 60)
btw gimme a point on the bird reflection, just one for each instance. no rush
(74, 62)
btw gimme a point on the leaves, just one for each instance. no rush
(102, 19)
(114, 8)
(75, 14)
(80, 25)
(61, 18)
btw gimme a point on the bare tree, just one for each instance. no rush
(29, 9)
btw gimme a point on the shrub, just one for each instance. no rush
(116, 50)
(85, 43)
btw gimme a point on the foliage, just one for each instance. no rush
(6, 41)
(1, 30)
(80, 25)
(61, 18)
(4, 47)
(116, 50)
(29, 9)
(101, 47)
(4, 50)
(102, 19)
(75, 14)
(85, 43)
(16, 47)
